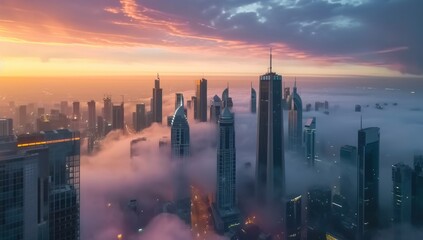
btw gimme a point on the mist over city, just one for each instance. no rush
(211, 120)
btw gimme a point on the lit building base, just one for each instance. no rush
(225, 220)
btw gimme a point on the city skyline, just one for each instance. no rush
(221, 120)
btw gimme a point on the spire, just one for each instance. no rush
(158, 77)
(270, 69)
(295, 82)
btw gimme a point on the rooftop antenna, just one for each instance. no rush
(270, 69)
(158, 77)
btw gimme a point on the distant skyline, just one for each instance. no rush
(139, 37)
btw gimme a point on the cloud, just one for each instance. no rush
(373, 33)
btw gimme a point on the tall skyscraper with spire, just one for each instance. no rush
(157, 101)
(253, 107)
(368, 181)
(295, 121)
(270, 162)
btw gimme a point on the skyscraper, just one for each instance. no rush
(180, 138)
(310, 141)
(292, 217)
(108, 109)
(118, 117)
(368, 181)
(215, 109)
(92, 116)
(253, 107)
(64, 107)
(417, 191)
(19, 195)
(225, 210)
(64, 170)
(6, 127)
(76, 110)
(180, 151)
(295, 121)
(348, 181)
(401, 193)
(22, 115)
(179, 100)
(139, 119)
(156, 106)
(201, 100)
(318, 211)
(226, 99)
(270, 163)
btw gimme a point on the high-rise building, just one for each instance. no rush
(225, 209)
(417, 191)
(368, 181)
(22, 203)
(22, 115)
(318, 211)
(179, 100)
(292, 217)
(139, 120)
(401, 193)
(348, 180)
(180, 151)
(201, 100)
(156, 106)
(253, 107)
(64, 107)
(310, 141)
(180, 138)
(295, 121)
(92, 118)
(64, 170)
(76, 110)
(215, 108)
(194, 103)
(6, 127)
(226, 99)
(108, 109)
(270, 163)
(287, 98)
(118, 122)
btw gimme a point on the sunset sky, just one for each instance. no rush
(221, 37)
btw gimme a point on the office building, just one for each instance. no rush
(318, 209)
(64, 170)
(286, 98)
(253, 106)
(180, 138)
(401, 193)
(368, 181)
(92, 116)
(6, 127)
(139, 119)
(215, 109)
(22, 116)
(295, 121)
(292, 211)
(226, 99)
(108, 109)
(76, 110)
(64, 107)
(22, 202)
(310, 141)
(348, 180)
(417, 191)
(225, 211)
(179, 100)
(156, 103)
(118, 122)
(201, 100)
(54, 120)
(270, 163)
